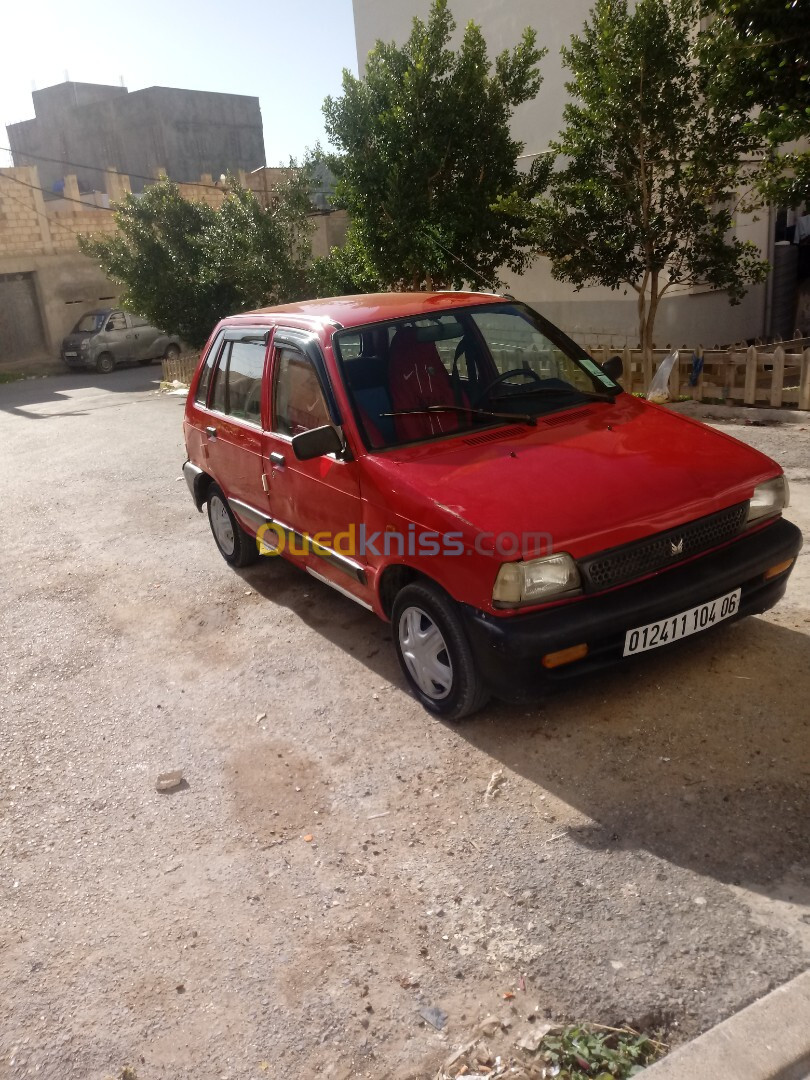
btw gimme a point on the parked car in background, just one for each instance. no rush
(456, 464)
(108, 336)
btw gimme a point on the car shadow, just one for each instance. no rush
(24, 396)
(698, 753)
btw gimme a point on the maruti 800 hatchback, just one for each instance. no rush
(456, 464)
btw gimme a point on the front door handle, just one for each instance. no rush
(276, 458)
(211, 432)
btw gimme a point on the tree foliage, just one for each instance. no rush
(766, 44)
(345, 270)
(184, 265)
(424, 151)
(651, 166)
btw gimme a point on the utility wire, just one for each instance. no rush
(50, 220)
(35, 187)
(98, 168)
(4, 175)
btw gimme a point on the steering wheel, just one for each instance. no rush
(504, 375)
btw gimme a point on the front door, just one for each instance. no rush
(315, 504)
(118, 337)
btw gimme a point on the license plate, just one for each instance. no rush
(686, 623)
(71, 354)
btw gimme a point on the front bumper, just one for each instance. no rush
(77, 359)
(509, 651)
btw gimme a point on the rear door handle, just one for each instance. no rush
(211, 432)
(276, 458)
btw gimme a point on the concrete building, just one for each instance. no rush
(688, 315)
(184, 132)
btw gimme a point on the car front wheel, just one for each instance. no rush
(434, 653)
(237, 547)
(105, 363)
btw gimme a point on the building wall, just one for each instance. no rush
(593, 314)
(46, 284)
(185, 132)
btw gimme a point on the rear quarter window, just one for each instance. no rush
(201, 396)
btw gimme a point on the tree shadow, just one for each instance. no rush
(27, 396)
(697, 753)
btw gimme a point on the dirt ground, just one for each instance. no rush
(644, 860)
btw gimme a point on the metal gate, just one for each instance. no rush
(21, 331)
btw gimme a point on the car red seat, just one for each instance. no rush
(417, 378)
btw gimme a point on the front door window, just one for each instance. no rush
(298, 399)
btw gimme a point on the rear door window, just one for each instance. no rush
(238, 378)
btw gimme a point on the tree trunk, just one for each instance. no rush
(647, 311)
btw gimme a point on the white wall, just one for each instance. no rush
(592, 314)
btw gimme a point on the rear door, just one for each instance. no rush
(144, 337)
(317, 499)
(232, 442)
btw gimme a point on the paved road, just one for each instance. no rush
(644, 861)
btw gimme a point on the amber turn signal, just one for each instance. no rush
(780, 568)
(565, 656)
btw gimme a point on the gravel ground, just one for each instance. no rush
(332, 864)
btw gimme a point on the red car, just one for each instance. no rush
(456, 464)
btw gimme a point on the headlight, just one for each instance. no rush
(769, 498)
(85, 344)
(535, 581)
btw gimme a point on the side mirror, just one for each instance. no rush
(614, 368)
(110, 326)
(317, 442)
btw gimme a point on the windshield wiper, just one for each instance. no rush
(587, 394)
(522, 418)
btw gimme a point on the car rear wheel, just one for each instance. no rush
(172, 352)
(434, 653)
(237, 547)
(105, 363)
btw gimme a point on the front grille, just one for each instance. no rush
(630, 561)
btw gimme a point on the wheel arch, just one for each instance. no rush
(395, 577)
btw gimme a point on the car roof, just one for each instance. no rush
(348, 311)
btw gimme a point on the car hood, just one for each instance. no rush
(75, 338)
(589, 478)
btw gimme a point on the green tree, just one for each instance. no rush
(345, 270)
(184, 265)
(768, 67)
(424, 151)
(651, 169)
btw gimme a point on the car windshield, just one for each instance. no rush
(421, 378)
(91, 321)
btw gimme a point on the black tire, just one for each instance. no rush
(105, 363)
(238, 549)
(459, 691)
(172, 352)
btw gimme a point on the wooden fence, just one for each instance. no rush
(771, 376)
(180, 368)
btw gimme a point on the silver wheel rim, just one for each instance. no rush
(221, 525)
(425, 653)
